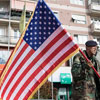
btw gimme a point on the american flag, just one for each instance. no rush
(45, 45)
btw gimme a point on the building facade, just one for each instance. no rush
(81, 18)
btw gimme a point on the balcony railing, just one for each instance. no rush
(4, 15)
(95, 28)
(94, 8)
(4, 39)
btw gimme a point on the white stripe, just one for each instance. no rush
(11, 63)
(13, 69)
(44, 45)
(37, 64)
(39, 75)
(17, 52)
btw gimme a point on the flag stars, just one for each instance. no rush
(26, 39)
(36, 12)
(41, 26)
(40, 12)
(40, 23)
(45, 7)
(31, 28)
(40, 38)
(26, 34)
(35, 33)
(35, 48)
(35, 38)
(31, 38)
(35, 28)
(30, 43)
(45, 12)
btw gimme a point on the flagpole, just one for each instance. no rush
(91, 65)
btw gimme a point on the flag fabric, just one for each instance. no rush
(43, 48)
(22, 19)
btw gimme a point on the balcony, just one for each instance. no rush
(4, 15)
(95, 28)
(94, 8)
(4, 40)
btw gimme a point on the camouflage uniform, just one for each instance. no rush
(84, 85)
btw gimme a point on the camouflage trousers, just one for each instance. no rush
(84, 94)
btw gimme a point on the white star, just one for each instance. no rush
(49, 12)
(26, 34)
(40, 12)
(40, 22)
(57, 23)
(49, 18)
(40, 28)
(40, 17)
(31, 28)
(44, 37)
(44, 28)
(35, 33)
(53, 18)
(31, 33)
(40, 38)
(49, 28)
(35, 23)
(36, 12)
(40, 33)
(53, 28)
(45, 12)
(41, 1)
(36, 17)
(39, 42)
(45, 7)
(35, 38)
(40, 6)
(45, 23)
(35, 47)
(26, 39)
(44, 32)
(30, 38)
(35, 42)
(48, 32)
(35, 28)
(53, 23)
(30, 43)
(49, 23)
(44, 17)
(31, 23)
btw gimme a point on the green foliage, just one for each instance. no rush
(46, 91)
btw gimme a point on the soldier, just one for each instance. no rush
(84, 77)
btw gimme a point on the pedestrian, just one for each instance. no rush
(85, 81)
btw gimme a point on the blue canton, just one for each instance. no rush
(41, 26)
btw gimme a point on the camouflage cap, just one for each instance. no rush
(91, 43)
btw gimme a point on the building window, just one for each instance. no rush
(56, 14)
(16, 34)
(80, 39)
(97, 39)
(77, 2)
(81, 19)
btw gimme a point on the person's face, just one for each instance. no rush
(92, 50)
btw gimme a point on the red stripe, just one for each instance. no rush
(50, 70)
(17, 70)
(8, 60)
(40, 55)
(43, 65)
(10, 68)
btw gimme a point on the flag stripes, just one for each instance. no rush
(29, 69)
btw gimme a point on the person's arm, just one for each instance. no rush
(78, 68)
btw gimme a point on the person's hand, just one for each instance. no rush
(90, 64)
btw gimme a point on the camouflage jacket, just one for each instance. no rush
(85, 80)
